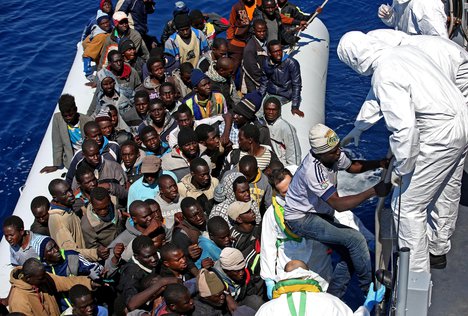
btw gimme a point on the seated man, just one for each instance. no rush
(255, 55)
(204, 102)
(32, 278)
(147, 186)
(144, 264)
(126, 79)
(188, 44)
(187, 232)
(168, 199)
(212, 299)
(249, 144)
(128, 50)
(81, 299)
(245, 233)
(156, 77)
(177, 301)
(40, 206)
(109, 173)
(290, 10)
(282, 134)
(199, 184)
(178, 160)
(132, 157)
(175, 263)
(198, 22)
(108, 149)
(182, 81)
(160, 120)
(276, 31)
(242, 285)
(102, 221)
(109, 130)
(67, 133)
(24, 244)
(86, 181)
(105, 7)
(152, 142)
(297, 275)
(219, 238)
(109, 95)
(67, 263)
(221, 75)
(137, 114)
(168, 94)
(282, 78)
(218, 50)
(260, 189)
(208, 137)
(64, 224)
(312, 192)
(142, 223)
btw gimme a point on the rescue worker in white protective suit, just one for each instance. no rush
(427, 115)
(423, 17)
(299, 292)
(450, 57)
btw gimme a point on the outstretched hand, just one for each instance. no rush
(374, 297)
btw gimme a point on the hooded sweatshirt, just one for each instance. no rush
(31, 301)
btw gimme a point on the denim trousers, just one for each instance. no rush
(349, 243)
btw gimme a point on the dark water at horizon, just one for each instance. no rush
(38, 40)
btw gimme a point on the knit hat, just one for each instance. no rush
(197, 76)
(40, 245)
(101, 16)
(119, 16)
(150, 164)
(103, 116)
(126, 45)
(209, 283)
(232, 259)
(322, 139)
(181, 21)
(180, 8)
(186, 135)
(249, 105)
(238, 208)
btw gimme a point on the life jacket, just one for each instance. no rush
(291, 286)
(278, 211)
(214, 106)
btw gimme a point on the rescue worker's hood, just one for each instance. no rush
(360, 51)
(392, 38)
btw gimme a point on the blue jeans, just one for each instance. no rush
(349, 243)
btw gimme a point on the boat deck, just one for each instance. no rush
(450, 289)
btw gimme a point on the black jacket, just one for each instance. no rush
(282, 79)
(252, 64)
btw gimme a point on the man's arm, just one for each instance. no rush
(345, 203)
(295, 71)
(359, 166)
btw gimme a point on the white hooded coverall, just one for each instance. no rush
(427, 115)
(426, 17)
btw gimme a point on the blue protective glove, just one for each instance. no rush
(270, 284)
(88, 70)
(371, 245)
(374, 297)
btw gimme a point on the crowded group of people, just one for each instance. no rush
(185, 190)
